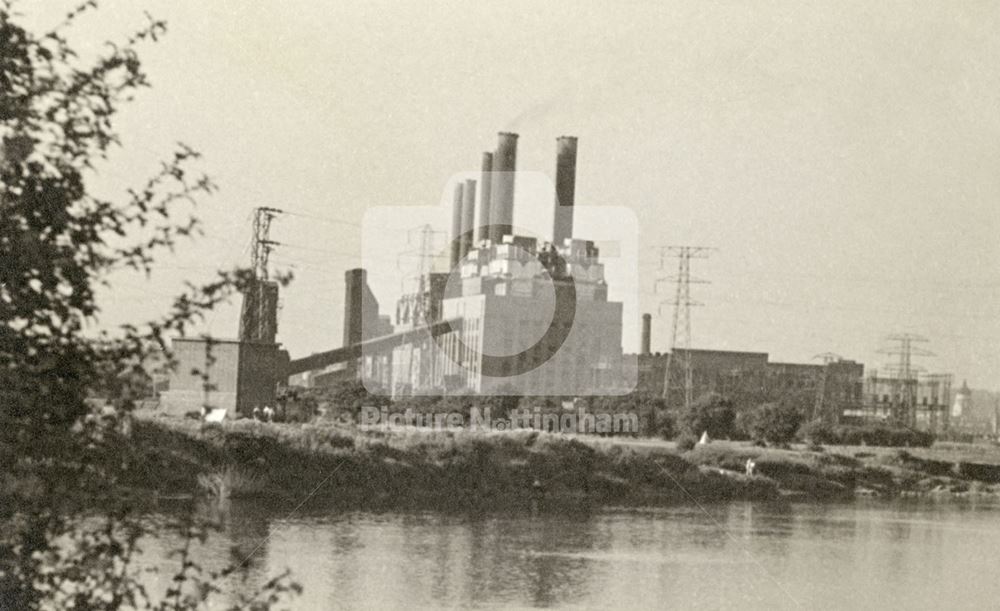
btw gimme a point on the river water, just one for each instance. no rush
(866, 554)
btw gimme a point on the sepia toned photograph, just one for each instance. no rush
(400, 304)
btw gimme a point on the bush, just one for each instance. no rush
(712, 413)
(816, 432)
(741, 425)
(883, 435)
(650, 409)
(665, 426)
(774, 423)
(349, 397)
(686, 441)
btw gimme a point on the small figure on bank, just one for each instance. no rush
(256, 412)
(268, 413)
(751, 465)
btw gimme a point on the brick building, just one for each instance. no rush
(826, 390)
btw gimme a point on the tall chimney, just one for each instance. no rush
(456, 226)
(485, 184)
(355, 281)
(502, 196)
(468, 218)
(562, 222)
(647, 323)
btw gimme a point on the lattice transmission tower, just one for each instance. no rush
(904, 374)
(259, 315)
(416, 280)
(678, 371)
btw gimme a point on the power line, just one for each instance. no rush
(325, 219)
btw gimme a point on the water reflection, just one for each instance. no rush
(721, 556)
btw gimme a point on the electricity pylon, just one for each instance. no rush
(257, 320)
(904, 374)
(678, 366)
(419, 285)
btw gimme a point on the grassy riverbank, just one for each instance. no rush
(407, 467)
(401, 467)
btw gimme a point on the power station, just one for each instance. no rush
(517, 314)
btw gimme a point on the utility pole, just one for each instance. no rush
(256, 322)
(904, 374)
(678, 367)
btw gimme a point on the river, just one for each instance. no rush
(866, 554)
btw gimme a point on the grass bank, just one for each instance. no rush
(847, 471)
(464, 468)
(376, 468)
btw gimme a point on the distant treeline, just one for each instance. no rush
(865, 435)
(718, 416)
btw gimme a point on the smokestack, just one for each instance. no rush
(647, 324)
(456, 226)
(485, 184)
(355, 281)
(468, 218)
(562, 223)
(502, 196)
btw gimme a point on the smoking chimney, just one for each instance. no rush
(502, 196)
(456, 227)
(647, 323)
(562, 222)
(485, 184)
(468, 218)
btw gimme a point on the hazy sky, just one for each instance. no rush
(844, 157)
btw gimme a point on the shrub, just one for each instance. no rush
(774, 423)
(502, 404)
(665, 426)
(742, 424)
(869, 434)
(350, 397)
(816, 432)
(686, 441)
(712, 413)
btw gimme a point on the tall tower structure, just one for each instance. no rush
(259, 314)
(904, 375)
(677, 372)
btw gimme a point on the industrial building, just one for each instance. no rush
(228, 374)
(836, 391)
(515, 314)
(522, 315)
(827, 390)
(232, 374)
(920, 401)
